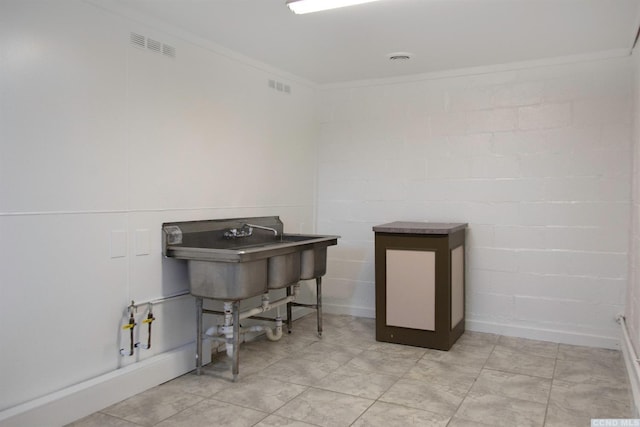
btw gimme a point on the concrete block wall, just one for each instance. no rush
(632, 309)
(536, 159)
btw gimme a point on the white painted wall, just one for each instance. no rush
(100, 143)
(535, 158)
(632, 309)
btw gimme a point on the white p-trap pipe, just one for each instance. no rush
(266, 305)
(271, 335)
(227, 330)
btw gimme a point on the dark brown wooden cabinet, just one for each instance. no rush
(420, 283)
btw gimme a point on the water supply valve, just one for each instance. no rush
(130, 326)
(149, 320)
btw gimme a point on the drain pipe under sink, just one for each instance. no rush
(266, 305)
(272, 334)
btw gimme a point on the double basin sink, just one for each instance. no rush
(239, 258)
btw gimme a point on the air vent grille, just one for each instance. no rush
(153, 45)
(169, 50)
(140, 41)
(279, 86)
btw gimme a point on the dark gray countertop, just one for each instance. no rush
(420, 227)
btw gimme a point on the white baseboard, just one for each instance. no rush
(633, 371)
(75, 402)
(349, 310)
(552, 335)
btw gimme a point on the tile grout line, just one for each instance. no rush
(473, 383)
(553, 378)
(377, 399)
(389, 388)
(308, 387)
(119, 418)
(179, 412)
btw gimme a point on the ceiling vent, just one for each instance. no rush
(138, 40)
(168, 50)
(279, 86)
(400, 56)
(154, 45)
(142, 42)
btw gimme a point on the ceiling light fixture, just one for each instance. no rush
(307, 6)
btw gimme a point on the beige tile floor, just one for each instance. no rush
(348, 379)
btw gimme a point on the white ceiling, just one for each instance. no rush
(352, 43)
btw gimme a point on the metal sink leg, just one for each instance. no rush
(198, 335)
(289, 312)
(236, 340)
(319, 304)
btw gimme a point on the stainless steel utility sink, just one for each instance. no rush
(234, 259)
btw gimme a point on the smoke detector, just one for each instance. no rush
(399, 56)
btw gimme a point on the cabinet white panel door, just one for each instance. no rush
(411, 289)
(457, 285)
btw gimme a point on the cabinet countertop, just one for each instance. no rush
(405, 227)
